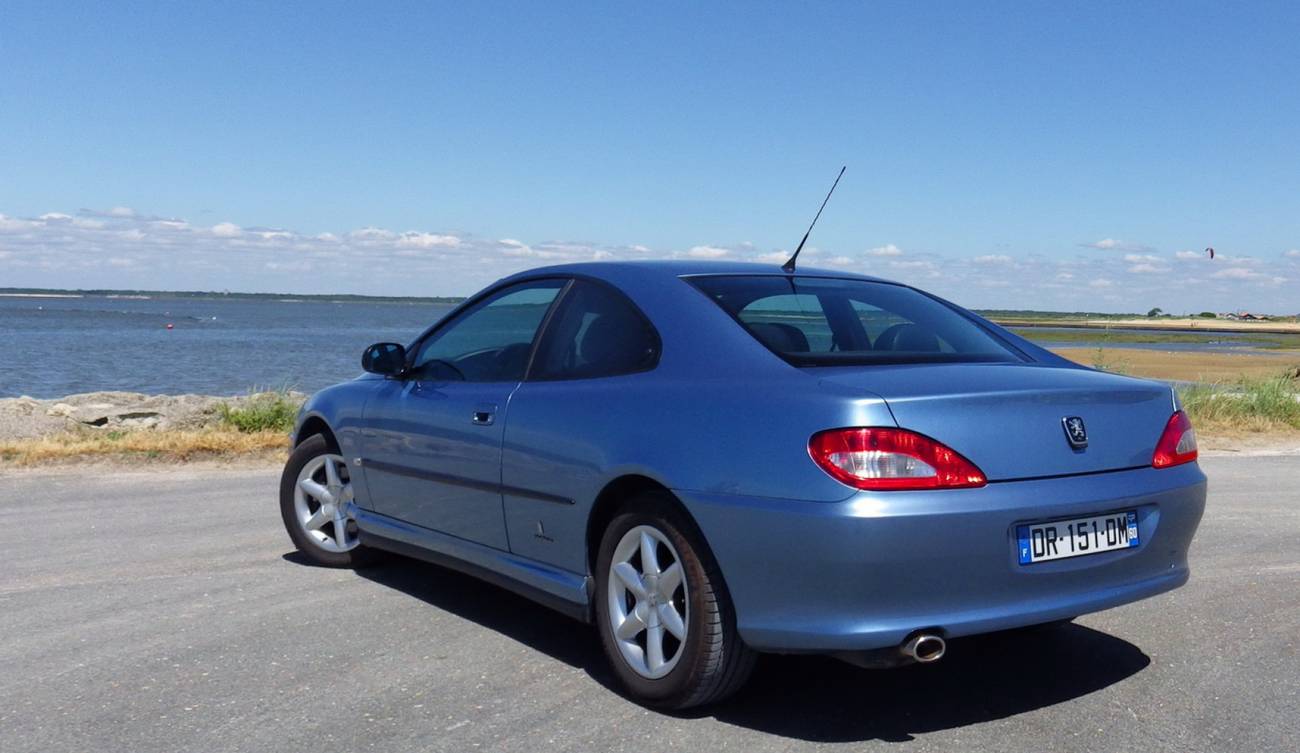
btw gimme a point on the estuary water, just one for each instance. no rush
(56, 346)
(51, 347)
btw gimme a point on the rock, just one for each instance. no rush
(25, 417)
(61, 410)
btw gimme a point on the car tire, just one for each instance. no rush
(316, 505)
(710, 661)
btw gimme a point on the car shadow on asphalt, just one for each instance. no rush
(980, 679)
(814, 698)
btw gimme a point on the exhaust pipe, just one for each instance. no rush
(924, 648)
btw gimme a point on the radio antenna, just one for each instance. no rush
(788, 267)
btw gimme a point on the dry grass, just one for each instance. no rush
(152, 446)
(1185, 366)
(1246, 406)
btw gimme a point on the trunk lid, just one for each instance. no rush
(1008, 419)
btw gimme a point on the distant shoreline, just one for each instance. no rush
(1171, 325)
(214, 295)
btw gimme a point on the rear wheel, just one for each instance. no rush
(665, 619)
(318, 505)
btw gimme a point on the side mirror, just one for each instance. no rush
(388, 359)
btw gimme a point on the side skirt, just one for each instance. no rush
(565, 592)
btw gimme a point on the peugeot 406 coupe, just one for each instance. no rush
(713, 460)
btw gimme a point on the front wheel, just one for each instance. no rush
(665, 618)
(318, 506)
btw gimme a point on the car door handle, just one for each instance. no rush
(484, 415)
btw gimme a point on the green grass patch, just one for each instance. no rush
(1245, 405)
(266, 411)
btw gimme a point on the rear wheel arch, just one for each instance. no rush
(616, 496)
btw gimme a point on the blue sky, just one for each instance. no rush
(1025, 155)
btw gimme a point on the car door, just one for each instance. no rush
(582, 398)
(432, 443)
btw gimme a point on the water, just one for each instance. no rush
(53, 347)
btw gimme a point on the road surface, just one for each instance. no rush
(164, 611)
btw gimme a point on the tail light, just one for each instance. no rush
(883, 459)
(1177, 445)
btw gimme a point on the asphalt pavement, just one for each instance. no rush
(165, 611)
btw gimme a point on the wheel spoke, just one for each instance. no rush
(317, 519)
(631, 580)
(649, 558)
(331, 473)
(315, 490)
(341, 530)
(669, 618)
(654, 643)
(629, 627)
(669, 580)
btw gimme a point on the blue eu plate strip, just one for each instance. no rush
(1022, 543)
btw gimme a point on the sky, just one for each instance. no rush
(1061, 156)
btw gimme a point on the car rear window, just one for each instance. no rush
(817, 321)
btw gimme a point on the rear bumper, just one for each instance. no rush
(866, 572)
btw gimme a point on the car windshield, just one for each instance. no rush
(813, 321)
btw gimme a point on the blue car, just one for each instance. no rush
(713, 460)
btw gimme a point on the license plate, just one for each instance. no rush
(1076, 537)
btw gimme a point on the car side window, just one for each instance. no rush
(596, 332)
(490, 342)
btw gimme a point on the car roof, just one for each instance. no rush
(683, 267)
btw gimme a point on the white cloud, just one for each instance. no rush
(1191, 255)
(1293, 253)
(98, 249)
(1114, 244)
(121, 212)
(707, 252)
(14, 224)
(512, 247)
(289, 266)
(372, 234)
(1236, 273)
(413, 239)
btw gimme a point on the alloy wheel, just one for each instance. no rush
(324, 505)
(648, 602)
